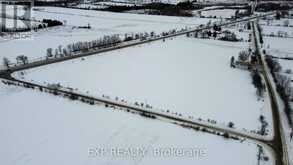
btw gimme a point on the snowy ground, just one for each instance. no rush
(186, 75)
(102, 23)
(278, 30)
(287, 65)
(240, 30)
(44, 129)
(280, 47)
(273, 22)
(221, 13)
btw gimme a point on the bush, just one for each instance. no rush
(181, 9)
(73, 97)
(230, 125)
(256, 80)
(226, 135)
(273, 64)
(148, 115)
(51, 23)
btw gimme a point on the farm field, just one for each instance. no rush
(280, 47)
(102, 23)
(174, 75)
(62, 131)
(126, 88)
(269, 30)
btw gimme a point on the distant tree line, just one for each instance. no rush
(271, 6)
(105, 41)
(181, 9)
(54, 3)
(51, 23)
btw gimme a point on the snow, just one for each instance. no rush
(287, 65)
(285, 129)
(268, 30)
(221, 13)
(102, 23)
(239, 30)
(55, 130)
(186, 75)
(271, 21)
(273, 26)
(280, 47)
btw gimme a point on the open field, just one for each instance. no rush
(287, 65)
(269, 30)
(185, 75)
(102, 23)
(167, 100)
(280, 47)
(61, 131)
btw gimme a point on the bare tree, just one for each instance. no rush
(22, 59)
(6, 62)
(60, 49)
(49, 52)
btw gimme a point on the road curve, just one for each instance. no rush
(262, 140)
(279, 139)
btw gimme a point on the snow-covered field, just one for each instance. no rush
(287, 65)
(102, 23)
(181, 76)
(271, 26)
(185, 75)
(278, 30)
(280, 47)
(221, 13)
(273, 22)
(240, 30)
(37, 128)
